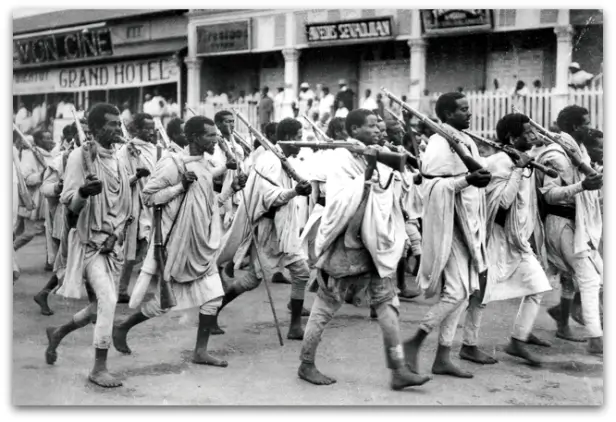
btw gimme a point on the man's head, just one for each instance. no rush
(325, 90)
(336, 129)
(125, 105)
(452, 108)
(289, 129)
(144, 128)
(201, 135)
(280, 89)
(148, 97)
(175, 132)
(225, 121)
(572, 118)
(592, 139)
(104, 123)
(43, 139)
(574, 67)
(270, 132)
(362, 125)
(395, 132)
(342, 83)
(368, 93)
(68, 132)
(305, 86)
(265, 91)
(515, 129)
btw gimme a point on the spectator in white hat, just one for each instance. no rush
(305, 94)
(345, 95)
(578, 78)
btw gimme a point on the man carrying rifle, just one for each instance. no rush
(33, 164)
(267, 228)
(454, 225)
(191, 233)
(52, 188)
(138, 159)
(96, 193)
(359, 243)
(573, 227)
(512, 218)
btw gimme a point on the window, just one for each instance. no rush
(134, 31)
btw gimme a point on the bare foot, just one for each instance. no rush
(533, 339)
(402, 378)
(50, 354)
(517, 348)
(566, 334)
(446, 367)
(295, 333)
(309, 372)
(119, 340)
(204, 358)
(41, 300)
(473, 354)
(104, 379)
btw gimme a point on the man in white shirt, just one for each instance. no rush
(368, 102)
(126, 115)
(326, 105)
(304, 95)
(578, 78)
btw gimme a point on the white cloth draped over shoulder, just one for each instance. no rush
(382, 226)
(443, 168)
(513, 271)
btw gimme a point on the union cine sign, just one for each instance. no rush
(363, 29)
(66, 46)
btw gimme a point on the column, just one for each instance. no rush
(564, 47)
(193, 82)
(291, 78)
(418, 69)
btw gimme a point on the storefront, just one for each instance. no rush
(114, 61)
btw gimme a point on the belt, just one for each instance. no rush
(561, 211)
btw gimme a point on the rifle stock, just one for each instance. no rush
(453, 141)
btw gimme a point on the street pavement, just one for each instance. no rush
(261, 372)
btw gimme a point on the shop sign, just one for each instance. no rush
(67, 46)
(100, 77)
(449, 21)
(355, 30)
(223, 38)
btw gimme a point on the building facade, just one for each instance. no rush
(406, 50)
(88, 56)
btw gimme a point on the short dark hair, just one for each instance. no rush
(174, 126)
(220, 116)
(447, 103)
(38, 135)
(588, 136)
(96, 116)
(335, 125)
(510, 125)
(270, 131)
(194, 125)
(357, 117)
(140, 119)
(287, 128)
(69, 131)
(571, 116)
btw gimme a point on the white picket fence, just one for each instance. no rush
(488, 107)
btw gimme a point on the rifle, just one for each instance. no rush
(36, 152)
(165, 141)
(317, 130)
(515, 154)
(393, 160)
(571, 149)
(244, 144)
(268, 145)
(124, 130)
(167, 297)
(471, 164)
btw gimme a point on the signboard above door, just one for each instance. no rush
(356, 31)
(456, 21)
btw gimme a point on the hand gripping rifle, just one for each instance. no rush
(455, 143)
(515, 154)
(571, 149)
